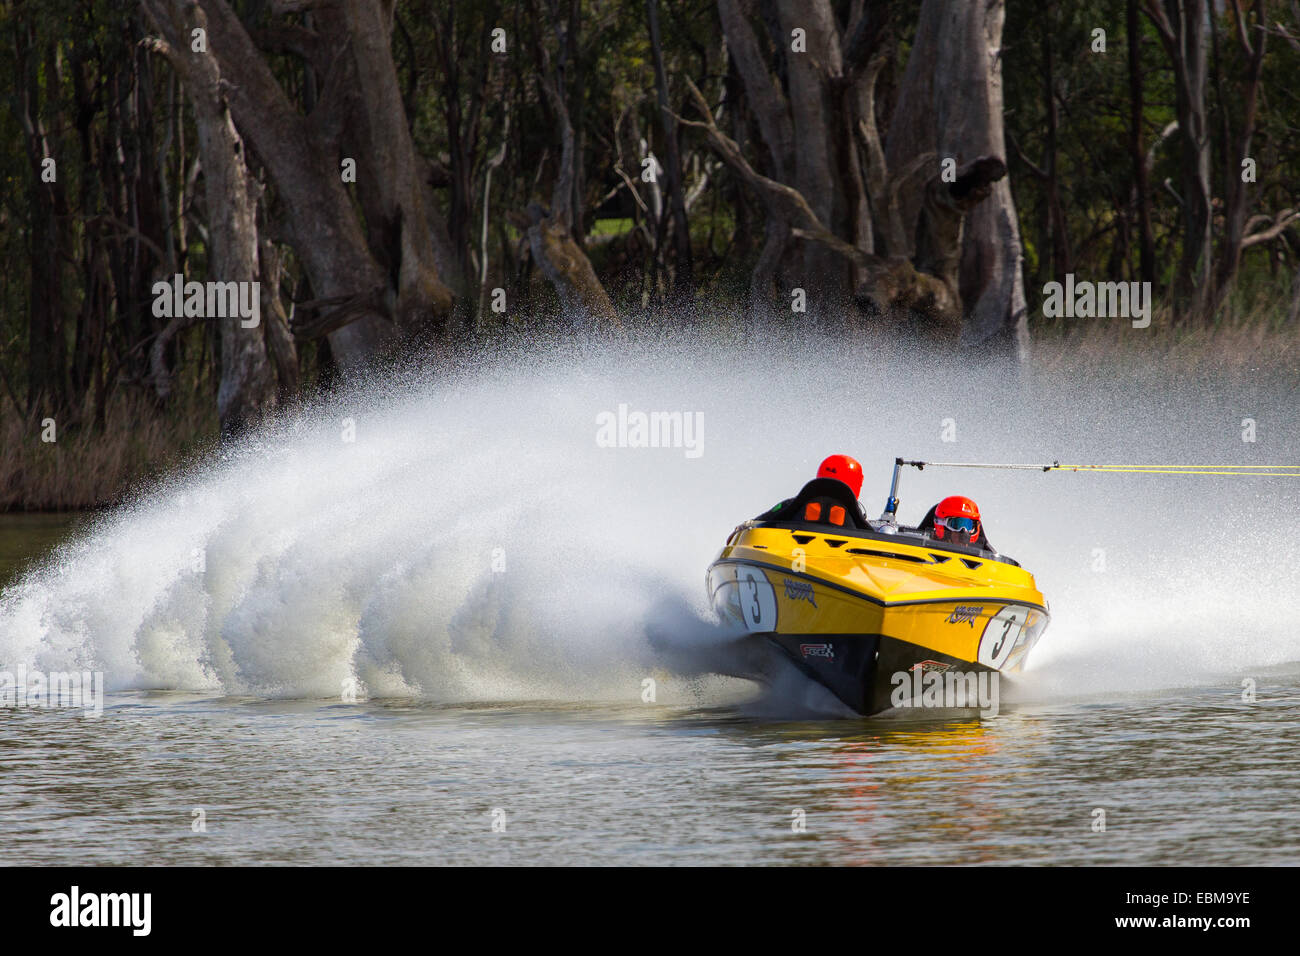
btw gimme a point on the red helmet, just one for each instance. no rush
(957, 519)
(845, 469)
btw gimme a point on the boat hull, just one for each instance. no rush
(871, 620)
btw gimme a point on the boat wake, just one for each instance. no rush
(500, 533)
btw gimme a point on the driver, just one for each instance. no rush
(956, 520)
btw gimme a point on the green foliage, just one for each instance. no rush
(1094, 164)
(130, 196)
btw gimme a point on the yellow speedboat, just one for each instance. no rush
(865, 607)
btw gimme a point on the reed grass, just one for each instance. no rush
(86, 468)
(1254, 333)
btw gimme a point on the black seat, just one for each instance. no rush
(827, 498)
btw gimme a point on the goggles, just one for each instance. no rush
(959, 525)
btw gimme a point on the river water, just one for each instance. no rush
(417, 623)
(1196, 777)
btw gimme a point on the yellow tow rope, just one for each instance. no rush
(1239, 471)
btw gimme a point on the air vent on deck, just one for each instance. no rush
(804, 538)
(940, 558)
(971, 564)
(835, 542)
(888, 554)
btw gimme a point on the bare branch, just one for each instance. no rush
(1280, 222)
(1158, 17)
(317, 318)
(1169, 187)
(1038, 171)
(632, 187)
(1170, 128)
(129, 230)
(1240, 22)
(1290, 38)
(781, 200)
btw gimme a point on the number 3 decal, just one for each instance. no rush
(757, 599)
(1000, 636)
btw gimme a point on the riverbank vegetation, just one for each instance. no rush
(421, 177)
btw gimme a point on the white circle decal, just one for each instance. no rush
(1000, 636)
(757, 599)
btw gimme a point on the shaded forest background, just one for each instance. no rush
(547, 165)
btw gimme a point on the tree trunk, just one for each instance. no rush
(1141, 177)
(247, 388)
(1061, 259)
(685, 280)
(1182, 25)
(1236, 148)
(583, 300)
(951, 102)
(360, 297)
(762, 93)
(841, 214)
(768, 105)
(423, 303)
(817, 168)
(47, 244)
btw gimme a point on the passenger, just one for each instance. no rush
(845, 469)
(840, 468)
(956, 520)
